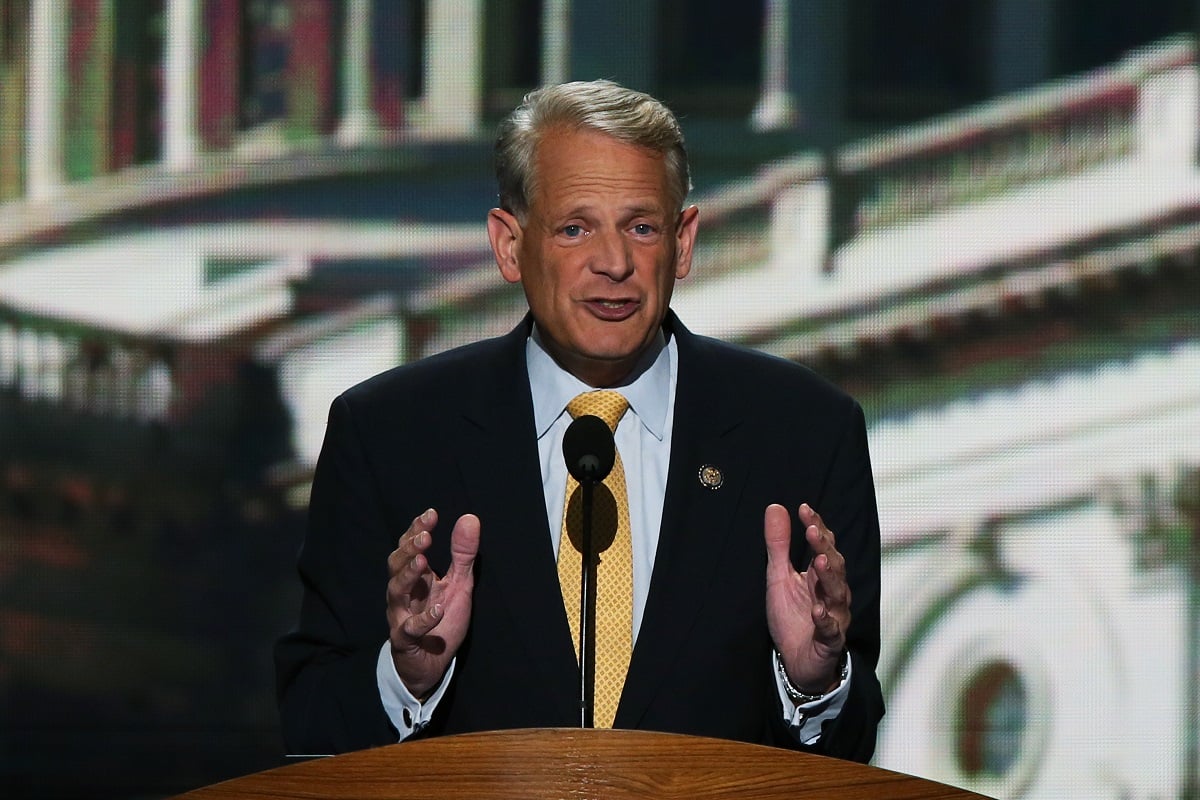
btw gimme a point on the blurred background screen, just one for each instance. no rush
(980, 217)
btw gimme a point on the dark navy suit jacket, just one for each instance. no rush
(455, 432)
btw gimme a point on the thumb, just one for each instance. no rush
(464, 544)
(777, 530)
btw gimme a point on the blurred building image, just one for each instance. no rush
(980, 218)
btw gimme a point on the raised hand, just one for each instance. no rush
(427, 615)
(808, 612)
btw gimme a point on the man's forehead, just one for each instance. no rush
(594, 171)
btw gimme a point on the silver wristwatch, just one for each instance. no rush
(803, 698)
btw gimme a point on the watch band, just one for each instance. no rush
(801, 698)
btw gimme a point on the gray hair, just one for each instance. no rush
(603, 106)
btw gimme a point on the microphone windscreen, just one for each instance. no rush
(589, 449)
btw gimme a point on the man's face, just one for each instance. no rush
(599, 253)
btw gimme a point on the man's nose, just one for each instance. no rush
(612, 256)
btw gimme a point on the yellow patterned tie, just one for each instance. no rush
(614, 574)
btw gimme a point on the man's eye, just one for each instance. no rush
(643, 229)
(573, 231)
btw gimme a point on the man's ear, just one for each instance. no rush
(685, 241)
(504, 232)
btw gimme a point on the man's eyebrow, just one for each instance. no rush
(635, 209)
(645, 209)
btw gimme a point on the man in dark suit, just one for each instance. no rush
(431, 599)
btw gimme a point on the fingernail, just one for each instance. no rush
(427, 516)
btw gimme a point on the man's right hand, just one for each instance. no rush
(427, 615)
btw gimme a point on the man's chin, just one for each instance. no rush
(615, 356)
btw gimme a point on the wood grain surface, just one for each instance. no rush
(577, 764)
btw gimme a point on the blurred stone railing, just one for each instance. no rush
(84, 370)
(1115, 113)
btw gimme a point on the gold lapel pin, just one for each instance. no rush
(711, 477)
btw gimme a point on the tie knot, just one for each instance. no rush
(607, 405)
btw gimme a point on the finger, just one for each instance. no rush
(409, 581)
(819, 537)
(827, 628)
(831, 619)
(464, 546)
(408, 570)
(830, 588)
(777, 531)
(410, 576)
(424, 523)
(831, 607)
(403, 557)
(809, 516)
(415, 540)
(416, 626)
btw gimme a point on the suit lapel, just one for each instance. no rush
(499, 461)
(696, 520)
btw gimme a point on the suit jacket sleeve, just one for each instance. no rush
(849, 509)
(328, 697)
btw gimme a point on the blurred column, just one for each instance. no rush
(47, 95)
(219, 79)
(453, 59)
(1168, 112)
(88, 100)
(181, 138)
(311, 107)
(391, 24)
(1022, 42)
(29, 363)
(556, 41)
(14, 78)
(776, 109)
(1195, 32)
(617, 39)
(358, 117)
(817, 67)
(54, 360)
(1187, 499)
(8, 354)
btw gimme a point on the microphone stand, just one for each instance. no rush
(587, 615)
(589, 451)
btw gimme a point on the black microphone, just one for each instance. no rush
(590, 452)
(589, 449)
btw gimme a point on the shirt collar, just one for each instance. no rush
(648, 390)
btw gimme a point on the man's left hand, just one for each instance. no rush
(808, 612)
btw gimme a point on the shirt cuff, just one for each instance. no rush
(406, 712)
(805, 720)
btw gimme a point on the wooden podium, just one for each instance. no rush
(573, 763)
